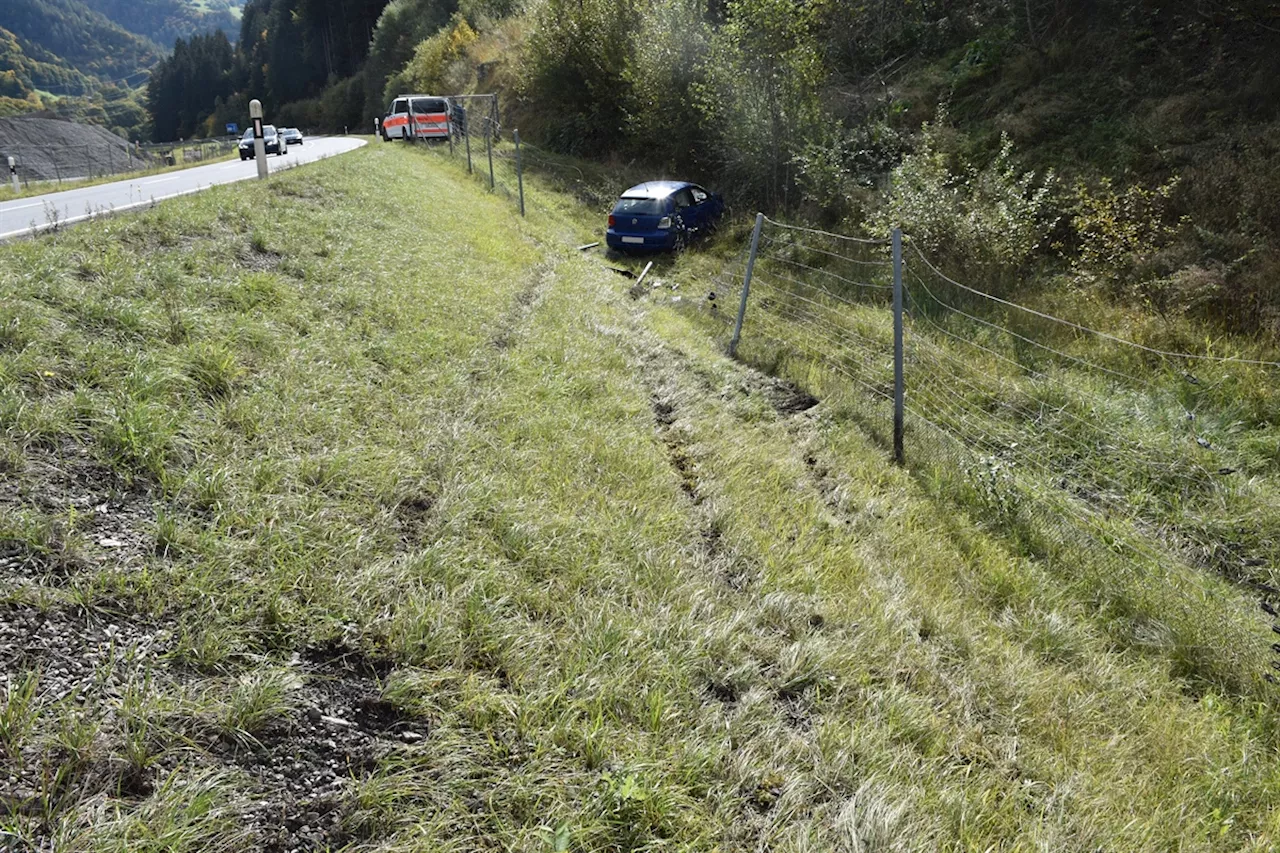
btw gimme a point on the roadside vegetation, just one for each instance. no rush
(350, 510)
(1148, 126)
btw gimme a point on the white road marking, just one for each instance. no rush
(152, 199)
(21, 207)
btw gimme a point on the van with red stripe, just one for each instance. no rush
(419, 116)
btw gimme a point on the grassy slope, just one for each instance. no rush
(363, 413)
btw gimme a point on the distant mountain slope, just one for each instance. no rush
(67, 32)
(164, 21)
(22, 72)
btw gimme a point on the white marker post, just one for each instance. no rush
(377, 127)
(259, 143)
(13, 174)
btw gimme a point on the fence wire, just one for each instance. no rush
(58, 164)
(1131, 470)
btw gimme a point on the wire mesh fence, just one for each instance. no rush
(1137, 473)
(503, 161)
(56, 164)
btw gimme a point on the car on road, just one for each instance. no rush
(272, 141)
(662, 215)
(292, 136)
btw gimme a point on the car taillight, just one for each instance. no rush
(613, 220)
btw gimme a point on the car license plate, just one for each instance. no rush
(633, 240)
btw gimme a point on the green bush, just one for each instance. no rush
(663, 121)
(990, 217)
(576, 62)
(438, 63)
(1119, 231)
(761, 99)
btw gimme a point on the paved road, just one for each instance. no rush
(19, 216)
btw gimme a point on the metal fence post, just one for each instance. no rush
(746, 286)
(466, 133)
(519, 169)
(899, 389)
(488, 142)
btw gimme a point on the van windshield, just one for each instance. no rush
(641, 206)
(429, 105)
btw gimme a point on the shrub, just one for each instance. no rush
(664, 122)
(1119, 231)
(994, 216)
(432, 68)
(577, 55)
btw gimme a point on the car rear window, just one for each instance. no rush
(641, 206)
(428, 105)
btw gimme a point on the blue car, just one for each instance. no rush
(662, 215)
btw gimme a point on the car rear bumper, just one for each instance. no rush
(647, 239)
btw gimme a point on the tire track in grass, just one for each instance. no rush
(1014, 685)
(676, 387)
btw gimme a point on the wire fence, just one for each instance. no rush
(502, 160)
(56, 164)
(1141, 475)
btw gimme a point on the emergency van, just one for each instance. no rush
(422, 116)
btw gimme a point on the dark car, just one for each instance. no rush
(662, 215)
(273, 143)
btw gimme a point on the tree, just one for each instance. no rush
(184, 87)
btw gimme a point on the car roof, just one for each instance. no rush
(656, 189)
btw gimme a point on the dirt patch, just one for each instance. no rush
(93, 518)
(663, 403)
(786, 397)
(789, 399)
(522, 307)
(308, 764)
(86, 657)
(412, 518)
(256, 259)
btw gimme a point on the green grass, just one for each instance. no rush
(626, 603)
